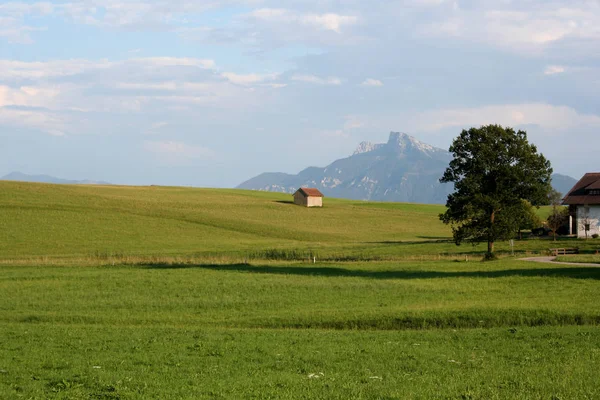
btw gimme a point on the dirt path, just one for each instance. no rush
(552, 258)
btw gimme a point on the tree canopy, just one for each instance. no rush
(493, 169)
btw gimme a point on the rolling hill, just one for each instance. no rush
(70, 221)
(81, 220)
(21, 177)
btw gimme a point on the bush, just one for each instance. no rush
(595, 236)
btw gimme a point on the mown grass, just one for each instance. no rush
(580, 258)
(60, 221)
(91, 362)
(176, 293)
(374, 330)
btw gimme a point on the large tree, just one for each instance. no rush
(493, 170)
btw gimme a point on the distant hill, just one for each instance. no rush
(563, 183)
(19, 176)
(401, 170)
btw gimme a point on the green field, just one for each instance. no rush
(178, 293)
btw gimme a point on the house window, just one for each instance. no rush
(594, 191)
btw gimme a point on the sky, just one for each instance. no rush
(211, 93)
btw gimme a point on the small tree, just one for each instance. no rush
(527, 218)
(585, 220)
(493, 168)
(559, 214)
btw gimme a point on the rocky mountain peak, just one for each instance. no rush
(402, 142)
(403, 169)
(365, 147)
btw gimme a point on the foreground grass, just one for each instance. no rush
(580, 258)
(152, 292)
(340, 296)
(100, 362)
(341, 330)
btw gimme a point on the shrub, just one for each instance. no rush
(595, 236)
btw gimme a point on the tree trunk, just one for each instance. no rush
(490, 238)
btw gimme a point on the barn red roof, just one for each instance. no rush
(579, 194)
(311, 192)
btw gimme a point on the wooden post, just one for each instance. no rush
(570, 224)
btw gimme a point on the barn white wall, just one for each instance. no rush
(315, 202)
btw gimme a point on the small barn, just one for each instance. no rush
(308, 197)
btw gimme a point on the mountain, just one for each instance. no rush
(563, 183)
(402, 170)
(19, 176)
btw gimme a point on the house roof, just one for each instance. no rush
(578, 194)
(310, 192)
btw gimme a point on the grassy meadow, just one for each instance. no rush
(111, 292)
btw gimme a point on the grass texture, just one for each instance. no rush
(176, 293)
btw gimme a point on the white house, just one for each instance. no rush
(584, 206)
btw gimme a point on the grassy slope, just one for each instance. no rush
(79, 221)
(390, 329)
(38, 219)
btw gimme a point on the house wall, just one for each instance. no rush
(591, 215)
(300, 199)
(315, 202)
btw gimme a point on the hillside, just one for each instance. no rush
(98, 221)
(401, 170)
(563, 183)
(43, 219)
(21, 177)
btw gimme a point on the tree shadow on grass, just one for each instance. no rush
(405, 242)
(576, 272)
(444, 238)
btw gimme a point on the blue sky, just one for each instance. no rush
(212, 93)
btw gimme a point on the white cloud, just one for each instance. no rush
(63, 96)
(174, 62)
(15, 32)
(317, 80)
(549, 117)
(554, 69)
(337, 133)
(328, 21)
(42, 120)
(28, 96)
(525, 26)
(249, 79)
(351, 122)
(173, 152)
(370, 82)
(12, 69)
